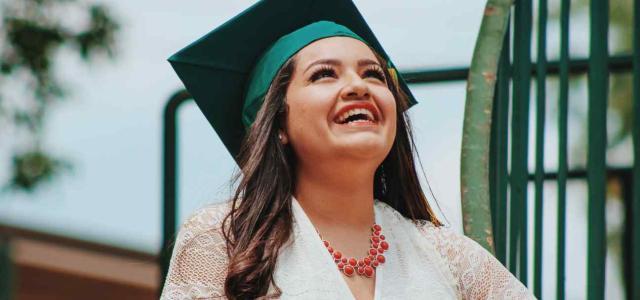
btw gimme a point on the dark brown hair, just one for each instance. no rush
(260, 220)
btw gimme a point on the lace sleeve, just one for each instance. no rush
(199, 262)
(479, 275)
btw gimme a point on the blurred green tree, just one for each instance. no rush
(32, 34)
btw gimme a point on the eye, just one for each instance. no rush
(322, 72)
(375, 72)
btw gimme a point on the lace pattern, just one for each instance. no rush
(199, 262)
(479, 274)
(429, 262)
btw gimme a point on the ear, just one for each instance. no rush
(282, 136)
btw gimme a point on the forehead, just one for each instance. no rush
(341, 48)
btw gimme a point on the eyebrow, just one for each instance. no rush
(335, 62)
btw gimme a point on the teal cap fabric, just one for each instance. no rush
(287, 46)
(228, 70)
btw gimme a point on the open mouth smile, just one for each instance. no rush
(357, 114)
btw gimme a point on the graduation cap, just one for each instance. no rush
(229, 70)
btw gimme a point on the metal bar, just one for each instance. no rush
(635, 202)
(499, 152)
(597, 143)
(582, 174)
(540, 119)
(617, 64)
(433, 76)
(170, 181)
(520, 136)
(563, 101)
(626, 182)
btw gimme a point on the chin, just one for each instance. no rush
(365, 148)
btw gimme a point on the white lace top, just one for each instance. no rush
(424, 262)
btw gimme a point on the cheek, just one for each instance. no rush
(307, 112)
(387, 104)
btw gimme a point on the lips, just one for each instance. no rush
(357, 113)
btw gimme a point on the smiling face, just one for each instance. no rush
(339, 103)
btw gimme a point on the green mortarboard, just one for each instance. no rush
(229, 70)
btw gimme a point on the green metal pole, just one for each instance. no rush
(617, 64)
(597, 144)
(476, 132)
(520, 137)
(635, 204)
(563, 101)
(541, 67)
(170, 181)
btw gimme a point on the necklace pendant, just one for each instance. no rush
(365, 266)
(348, 270)
(369, 271)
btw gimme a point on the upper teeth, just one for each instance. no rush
(356, 111)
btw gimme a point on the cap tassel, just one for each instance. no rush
(394, 75)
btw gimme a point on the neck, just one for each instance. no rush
(336, 195)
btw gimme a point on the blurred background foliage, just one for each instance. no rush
(33, 33)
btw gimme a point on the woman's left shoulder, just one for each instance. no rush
(479, 274)
(443, 236)
(451, 245)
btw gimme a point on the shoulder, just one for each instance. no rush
(204, 226)
(202, 231)
(478, 273)
(199, 261)
(206, 218)
(428, 228)
(449, 243)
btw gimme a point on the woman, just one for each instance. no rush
(328, 204)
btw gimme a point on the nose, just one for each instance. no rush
(355, 89)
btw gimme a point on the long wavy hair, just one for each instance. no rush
(260, 220)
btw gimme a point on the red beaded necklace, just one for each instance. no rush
(364, 266)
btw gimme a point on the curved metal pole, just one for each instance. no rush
(476, 132)
(170, 181)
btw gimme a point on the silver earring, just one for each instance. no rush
(282, 138)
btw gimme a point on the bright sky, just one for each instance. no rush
(111, 126)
